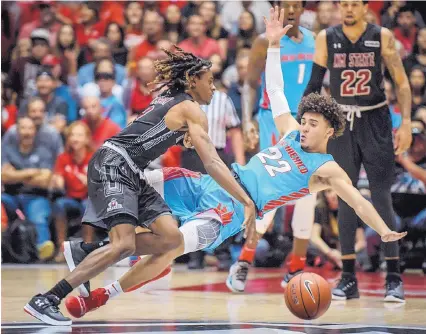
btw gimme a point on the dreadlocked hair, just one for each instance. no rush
(326, 106)
(174, 71)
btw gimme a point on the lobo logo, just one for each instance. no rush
(113, 205)
(293, 294)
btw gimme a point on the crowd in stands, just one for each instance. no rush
(74, 73)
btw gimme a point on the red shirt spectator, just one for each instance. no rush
(140, 96)
(407, 40)
(198, 43)
(68, 169)
(112, 11)
(8, 117)
(90, 26)
(102, 131)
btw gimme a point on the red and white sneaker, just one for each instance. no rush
(79, 306)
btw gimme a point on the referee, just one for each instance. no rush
(223, 123)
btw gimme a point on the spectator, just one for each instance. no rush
(198, 43)
(62, 90)
(418, 56)
(324, 16)
(133, 16)
(9, 112)
(102, 128)
(46, 21)
(418, 88)
(56, 107)
(70, 177)
(245, 37)
(140, 95)
(47, 136)
(232, 10)
(325, 232)
(102, 50)
(209, 12)
(406, 29)
(421, 114)
(236, 88)
(23, 73)
(217, 69)
(230, 75)
(21, 50)
(408, 191)
(111, 11)
(115, 34)
(390, 11)
(89, 27)
(112, 104)
(25, 172)
(191, 8)
(153, 28)
(173, 25)
(66, 41)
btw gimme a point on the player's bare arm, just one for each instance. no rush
(283, 119)
(393, 62)
(319, 67)
(331, 175)
(256, 65)
(197, 123)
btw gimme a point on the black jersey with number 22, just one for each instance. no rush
(356, 76)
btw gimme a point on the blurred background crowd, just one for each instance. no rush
(74, 73)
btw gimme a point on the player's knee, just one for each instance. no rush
(173, 240)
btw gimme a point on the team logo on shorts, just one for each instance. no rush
(113, 205)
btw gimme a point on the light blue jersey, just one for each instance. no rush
(280, 174)
(273, 177)
(296, 66)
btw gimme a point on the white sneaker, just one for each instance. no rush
(237, 278)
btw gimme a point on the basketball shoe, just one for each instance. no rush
(347, 288)
(289, 276)
(46, 309)
(74, 255)
(394, 289)
(237, 278)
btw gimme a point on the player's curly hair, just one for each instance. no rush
(175, 70)
(326, 106)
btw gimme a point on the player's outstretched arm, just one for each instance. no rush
(337, 179)
(197, 128)
(283, 119)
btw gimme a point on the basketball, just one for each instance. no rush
(308, 296)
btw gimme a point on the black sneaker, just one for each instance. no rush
(289, 276)
(45, 308)
(74, 255)
(394, 289)
(346, 289)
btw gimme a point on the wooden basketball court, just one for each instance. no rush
(199, 302)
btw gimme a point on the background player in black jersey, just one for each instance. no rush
(120, 199)
(353, 53)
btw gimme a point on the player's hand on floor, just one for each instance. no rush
(393, 236)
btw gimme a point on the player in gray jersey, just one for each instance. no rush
(120, 199)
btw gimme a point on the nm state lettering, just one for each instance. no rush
(354, 60)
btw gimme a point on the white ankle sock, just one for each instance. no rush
(114, 289)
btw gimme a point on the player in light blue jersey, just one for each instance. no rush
(296, 166)
(296, 56)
